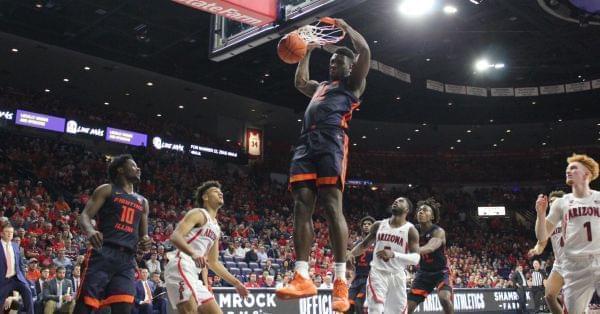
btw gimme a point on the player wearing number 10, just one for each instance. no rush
(122, 216)
(579, 213)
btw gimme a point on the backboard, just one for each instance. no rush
(230, 38)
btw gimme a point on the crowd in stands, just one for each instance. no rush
(45, 182)
(256, 219)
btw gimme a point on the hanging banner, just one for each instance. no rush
(503, 92)
(477, 91)
(405, 77)
(254, 142)
(577, 87)
(456, 89)
(596, 84)
(526, 92)
(552, 89)
(435, 85)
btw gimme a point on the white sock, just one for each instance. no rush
(302, 268)
(340, 271)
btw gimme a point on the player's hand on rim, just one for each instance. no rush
(95, 237)
(541, 204)
(341, 24)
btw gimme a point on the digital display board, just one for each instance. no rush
(40, 121)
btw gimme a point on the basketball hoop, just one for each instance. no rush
(324, 32)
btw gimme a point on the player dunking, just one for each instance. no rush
(318, 167)
(579, 212)
(396, 246)
(555, 280)
(197, 241)
(362, 266)
(122, 219)
(433, 267)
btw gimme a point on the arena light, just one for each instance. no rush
(180, 106)
(87, 68)
(46, 90)
(450, 9)
(15, 50)
(416, 7)
(482, 65)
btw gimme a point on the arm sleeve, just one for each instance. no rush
(556, 211)
(408, 259)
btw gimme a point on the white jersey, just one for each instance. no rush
(181, 273)
(395, 239)
(580, 223)
(558, 246)
(202, 238)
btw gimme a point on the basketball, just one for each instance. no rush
(291, 48)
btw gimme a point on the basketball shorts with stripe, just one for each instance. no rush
(386, 292)
(183, 282)
(320, 158)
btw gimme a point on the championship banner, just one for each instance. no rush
(477, 91)
(526, 92)
(577, 87)
(255, 13)
(456, 89)
(435, 85)
(503, 92)
(254, 142)
(262, 301)
(552, 89)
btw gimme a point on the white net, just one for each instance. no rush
(322, 33)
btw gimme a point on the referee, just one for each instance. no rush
(538, 278)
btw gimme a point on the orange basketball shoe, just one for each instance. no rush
(299, 287)
(340, 296)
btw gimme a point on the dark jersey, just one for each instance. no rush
(362, 263)
(331, 106)
(436, 260)
(119, 218)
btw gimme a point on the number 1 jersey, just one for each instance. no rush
(580, 219)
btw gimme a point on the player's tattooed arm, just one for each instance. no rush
(92, 207)
(363, 245)
(438, 239)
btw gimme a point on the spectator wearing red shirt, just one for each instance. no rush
(253, 282)
(33, 271)
(35, 228)
(61, 205)
(47, 257)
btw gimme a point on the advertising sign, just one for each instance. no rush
(40, 121)
(126, 137)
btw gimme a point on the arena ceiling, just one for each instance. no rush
(536, 48)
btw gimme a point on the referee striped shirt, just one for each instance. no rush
(537, 278)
